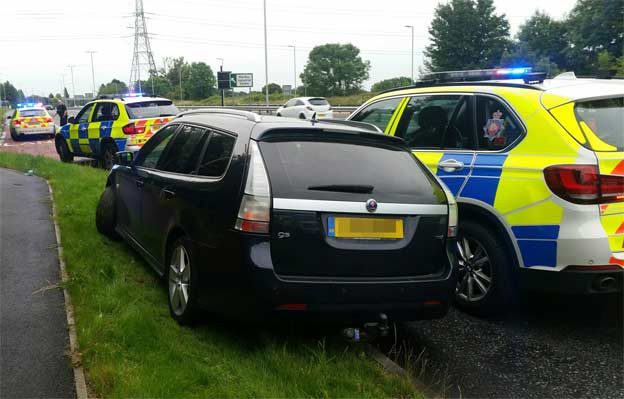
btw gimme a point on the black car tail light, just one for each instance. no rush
(255, 208)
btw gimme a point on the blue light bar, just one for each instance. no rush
(131, 94)
(27, 105)
(479, 74)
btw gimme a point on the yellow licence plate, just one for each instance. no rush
(364, 227)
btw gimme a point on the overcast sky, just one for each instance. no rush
(40, 39)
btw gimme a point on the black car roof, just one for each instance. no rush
(254, 126)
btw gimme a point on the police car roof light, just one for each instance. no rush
(483, 74)
(28, 105)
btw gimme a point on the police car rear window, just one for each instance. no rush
(151, 109)
(31, 112)
(602, 122)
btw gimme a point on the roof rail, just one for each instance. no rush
(250, 116)
(361, 125)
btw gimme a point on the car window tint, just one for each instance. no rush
(496, 126)
(105, 111)
(290, 103)
(32, 112)
(318, 101)
(378, 113)
(217, 155)
(149, 155)
(151, 109)
(183, 153)
(299, 102)
(437, 122)
(83, 115)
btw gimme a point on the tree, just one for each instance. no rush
(594, 26)
(10, 93)
(200, 82)
(388, 84)
(273, 88)
(115, 86)
(334, 69)
(466, 34)
(544, 37)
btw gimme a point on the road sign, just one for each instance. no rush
(286, 90)
(241, 80)
(223, 80)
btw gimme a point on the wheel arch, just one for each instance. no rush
(489, 216)
(174, 233)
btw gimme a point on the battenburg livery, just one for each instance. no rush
(107, 125)
(537, 167)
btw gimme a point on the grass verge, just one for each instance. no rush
(132, 348)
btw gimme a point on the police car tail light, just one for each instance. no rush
(48, 120)
(132, 128)
(583, 184)
(255, 208)
(17, 122)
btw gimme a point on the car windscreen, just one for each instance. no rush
(151, 109)
(328, 170)
(602, 121)
(318, 101)
(31, 112)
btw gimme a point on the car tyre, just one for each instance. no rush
(105, 218)
(485, 285)
(107, 156)
(14, 135)
(302, 116)
(63, 150)
(278, 114)
(181, 277)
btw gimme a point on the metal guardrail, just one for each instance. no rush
(260, 109)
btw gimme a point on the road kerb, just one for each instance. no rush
(79, 377)
(393, 368)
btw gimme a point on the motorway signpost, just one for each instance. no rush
(227, 80)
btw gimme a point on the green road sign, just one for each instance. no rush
(241, 80)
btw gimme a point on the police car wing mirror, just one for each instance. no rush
(124, 158)
(71, 119)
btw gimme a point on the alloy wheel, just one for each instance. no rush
(475, 270)
(179, 280)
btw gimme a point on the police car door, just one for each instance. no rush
(440, 130)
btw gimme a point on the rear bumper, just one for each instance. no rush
(573, 280)
(35, 131)
(347, 300)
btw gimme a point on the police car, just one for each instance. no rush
(111, 124)
(31, 119)
(537, 167)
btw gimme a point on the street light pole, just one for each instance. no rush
(412, 28)
(180, 72)
(266, 58)
(222, 91)
(92, 72)
(295, 68)
(73, 93)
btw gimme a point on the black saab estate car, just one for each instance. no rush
(253, 217)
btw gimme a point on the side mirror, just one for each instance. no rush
(71, 119)
(8, 116)
(124, 158)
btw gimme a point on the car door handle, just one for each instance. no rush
(451, 165)
(139, 183)
(167, 194)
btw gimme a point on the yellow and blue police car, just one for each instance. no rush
(111, 124)
(537, 167)
(31, 119)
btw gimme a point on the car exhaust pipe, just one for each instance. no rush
(603, 284)
(368, 331)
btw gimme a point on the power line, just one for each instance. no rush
(142, 55)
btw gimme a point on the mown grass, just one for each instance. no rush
(132, 348)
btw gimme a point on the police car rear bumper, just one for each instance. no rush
(35, 130)
(574, 280)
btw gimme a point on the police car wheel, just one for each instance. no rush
(181, 282)
(105, 218)
(484, 282)
(63, 150)
(108, 155)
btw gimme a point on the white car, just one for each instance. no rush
(305, 107)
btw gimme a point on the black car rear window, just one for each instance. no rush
(318, 101)
(151, 109)
(346, 172)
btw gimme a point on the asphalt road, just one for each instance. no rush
(552, 346)
(33, 326)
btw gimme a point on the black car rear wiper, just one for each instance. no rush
(345, 188)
